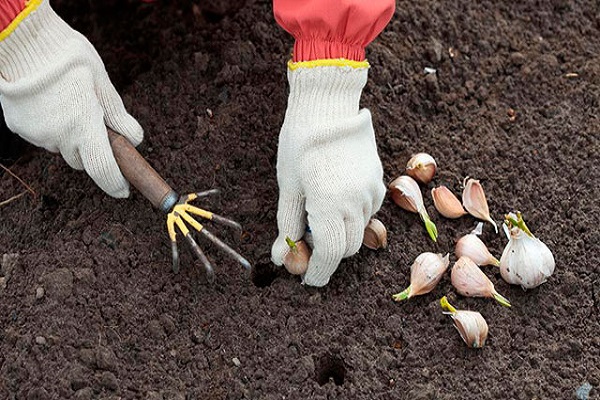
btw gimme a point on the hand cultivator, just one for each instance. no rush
(179, 212)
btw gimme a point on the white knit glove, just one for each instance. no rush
(328, 170)
(56, 94)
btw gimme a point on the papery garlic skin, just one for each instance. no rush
(406, 193)
(296, 260)
(421, 167)
(472, 247)
(375, 236)
(526, 260)
(446, 203)
(475, 202)
(425, 273)
(470, 281)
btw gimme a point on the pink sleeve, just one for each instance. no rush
(326, 29)
(9, 9)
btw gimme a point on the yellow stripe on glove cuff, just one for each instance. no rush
(327, 62)
(30, 6)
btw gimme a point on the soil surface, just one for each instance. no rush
(89, 306)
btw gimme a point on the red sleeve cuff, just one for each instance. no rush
(326, 29)
(9, 9)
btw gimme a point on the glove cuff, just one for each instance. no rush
(325, 91)
(33, 39)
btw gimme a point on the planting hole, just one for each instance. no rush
(330, 367)
(263, 274)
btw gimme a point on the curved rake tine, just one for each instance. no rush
(175, 257)
(210, 272)
(245, 263)
(226, 221)
(207, 193)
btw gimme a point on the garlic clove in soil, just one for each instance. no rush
(526, 260)
(425, 274)
(375, 236)
(447, 203)
(471, 325)
(472, 247)
(296, 260)
(406, 193)
(474, 201)
(421, 167)
(470, 281)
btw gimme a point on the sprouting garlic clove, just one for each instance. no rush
(470, 281)
(526, 260)
(421, 167)
(447, 203)
(406, 193)
(474, 201)
(425, 274)
(471, 325)
(472, 247)
(375, 236)
(296, 260)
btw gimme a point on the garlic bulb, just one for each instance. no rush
(407, 194)
(526, 260)
(375, 236)
(425, 273)
(472, 247)
(470, 324)
(473, 198)
(421, 167)
(469, 281)
(446, 203)
(296, 260)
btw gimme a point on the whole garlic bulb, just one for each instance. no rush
(526, 260)
(425, 274)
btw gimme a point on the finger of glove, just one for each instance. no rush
(355, 230)
(378, 198)
(115, 115)
(329, 246)
(98, 159)
(291, 221)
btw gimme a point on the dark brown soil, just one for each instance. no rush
(115, 322)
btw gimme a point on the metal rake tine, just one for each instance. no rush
(210, 272)
(207, 193)
(245, 263)
(175, 256)
(226, 221)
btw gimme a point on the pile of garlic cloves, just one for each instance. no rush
(526, 261)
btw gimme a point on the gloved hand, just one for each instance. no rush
(56, 94)
(328, 170)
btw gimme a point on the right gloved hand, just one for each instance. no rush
(56, 94)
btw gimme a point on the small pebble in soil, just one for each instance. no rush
(109, 381)
(59, 283)
(39, 292)
(583, 392)
(106, 359)
(40, 340)
(236, 361)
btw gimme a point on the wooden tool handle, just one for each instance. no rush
(140, 174)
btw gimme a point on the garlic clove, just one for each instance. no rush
(470, 281)
(406, 193)
(471, 325)
(375, 236)
(446, 203)
(425, 273)
(296, 260)
(526, 260)
(474, 201)
(421, 167)
(472, 247)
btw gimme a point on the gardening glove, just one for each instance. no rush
(56, 94)
(328, 170)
